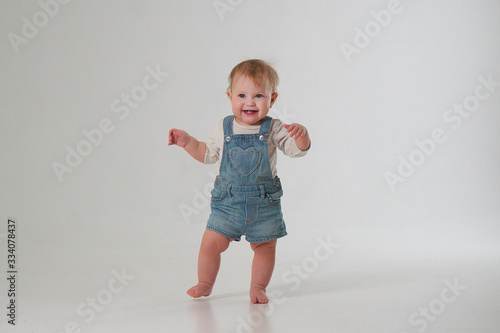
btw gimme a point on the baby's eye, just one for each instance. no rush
(241, 95)
(259, 96)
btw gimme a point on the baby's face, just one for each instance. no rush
(250, 102)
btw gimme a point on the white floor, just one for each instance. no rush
(358, 284)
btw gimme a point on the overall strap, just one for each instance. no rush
(228, 125)
(265, 126)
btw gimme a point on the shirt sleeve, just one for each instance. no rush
(212, 153)
(284, 142)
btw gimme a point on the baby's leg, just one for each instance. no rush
(262, 270)
(212, 245)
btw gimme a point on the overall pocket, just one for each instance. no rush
(218, 194)
(274, 198)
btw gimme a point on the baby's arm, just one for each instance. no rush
(300, 134)
(194, 147)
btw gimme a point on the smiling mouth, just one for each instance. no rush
(250, 111)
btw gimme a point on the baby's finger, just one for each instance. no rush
(171, 138)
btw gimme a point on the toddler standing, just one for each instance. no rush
(247, 191)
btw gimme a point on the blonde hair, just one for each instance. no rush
(258, 70)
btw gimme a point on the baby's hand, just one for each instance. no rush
(178, 137)
(296, 131)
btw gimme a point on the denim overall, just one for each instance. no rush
(246, 198)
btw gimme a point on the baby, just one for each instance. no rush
(247, 191)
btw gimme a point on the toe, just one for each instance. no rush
(193, 293)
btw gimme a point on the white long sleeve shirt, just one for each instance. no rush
(278, 138)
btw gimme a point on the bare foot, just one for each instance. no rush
(258, 295)
(201, 289)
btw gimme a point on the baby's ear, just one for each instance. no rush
(273, 98)
(229, 95)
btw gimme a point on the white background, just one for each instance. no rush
(124, 206)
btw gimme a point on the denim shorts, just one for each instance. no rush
(253, 211)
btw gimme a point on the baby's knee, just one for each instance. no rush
(214, 242)
(269, 246)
